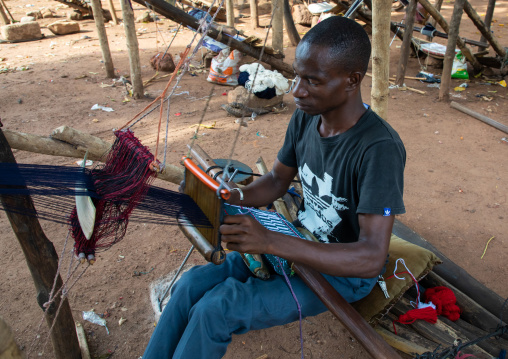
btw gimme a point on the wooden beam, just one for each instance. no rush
(230, 13)
(437, 5)
(216, 32)
(478, 116)
(103, 38)
(488, 20)
(406, 43)
(453, 34)
(278, 26)
(133, 48)
(42, 262)
(4, 20)
(372, 342)
(482, 27)
(74, 144)
(292, 32)
(112, 10)
(254, 17)
(381, 11)
(460, 43)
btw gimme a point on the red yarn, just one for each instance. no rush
(428, 314)
(444, 300)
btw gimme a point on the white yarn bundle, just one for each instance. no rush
(264, 79)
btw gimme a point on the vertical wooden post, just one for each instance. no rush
(406, 43)
(444, 89)
(230, 13)
(132, 45)
(12, 21)
(437, 5)
(294, 36)
(277, 26)
(42, 262)
(112, 10)
(254, 17)
(103, 38)
(444, 24)
(488, 20)
(8, 347)
(484, 29)
(381, 11)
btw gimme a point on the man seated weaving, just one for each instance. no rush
(351, 164)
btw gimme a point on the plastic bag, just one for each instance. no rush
(459, 67)
(224, 68)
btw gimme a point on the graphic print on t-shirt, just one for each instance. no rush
(321, 214)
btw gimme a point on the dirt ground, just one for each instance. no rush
(455, 180)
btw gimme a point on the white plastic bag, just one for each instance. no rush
(224, 68)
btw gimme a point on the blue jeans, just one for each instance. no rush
(210, 303)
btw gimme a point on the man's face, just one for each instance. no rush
(320, 85)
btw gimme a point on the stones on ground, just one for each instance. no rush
(63, 27)
(75, 15)
(147, 16)
(301, 15)
(161, 63)
(21, 31)
(241, 95)
(47, 13)
(35, 13)
(27, 19)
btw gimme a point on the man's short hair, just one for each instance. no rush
(348, 42)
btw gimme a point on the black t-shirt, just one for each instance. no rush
(358, 171)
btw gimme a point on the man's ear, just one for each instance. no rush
(354, 80)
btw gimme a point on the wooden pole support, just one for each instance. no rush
(132, 45)
(347, 315)
(4, 20)
(488, 20)
(69, 142)
(479, 116)
(42, 262)
(85, 352)
(484, 29)
(381, 11)
(293, 35)
(112, 10)
(460, 43)
(406, 43)
(8, 12)
(8, 347)
(103, 38)
(230, 13)
(254, 17)
(453, 34)
(278, 26)
(437, 5)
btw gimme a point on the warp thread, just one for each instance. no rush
(121, 183)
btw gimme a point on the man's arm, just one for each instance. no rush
(363, 259)
(266, 189)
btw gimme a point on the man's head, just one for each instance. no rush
(347, 42)
(330, 63)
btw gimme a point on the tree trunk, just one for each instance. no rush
(291, 30)
(132, 45)
(381, 11)
(42, 262)
(278, 26)
(254, 17)
(453, 34)
(230, 13)
(103, 38)
(406, 43)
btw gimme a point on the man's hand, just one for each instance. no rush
(244, 234)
